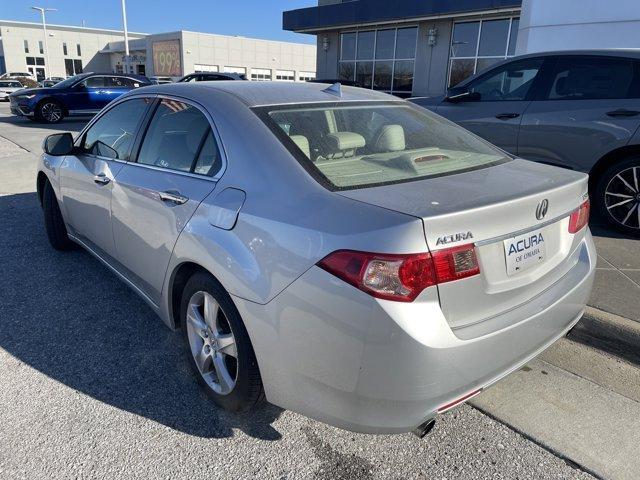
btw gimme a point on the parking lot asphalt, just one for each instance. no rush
(93, 385)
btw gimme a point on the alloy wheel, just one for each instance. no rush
(212, 343)
(622, 197)
(51, 112)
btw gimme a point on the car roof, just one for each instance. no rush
(618, 52)
(255, 94)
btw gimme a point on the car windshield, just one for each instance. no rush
(10, 84)
(69, 81)
(355, 145)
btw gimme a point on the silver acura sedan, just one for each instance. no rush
(343, 253)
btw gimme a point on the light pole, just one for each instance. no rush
(126, 37)
(44, 28)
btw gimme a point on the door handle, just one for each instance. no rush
(101, 179)
(623, 112)
(173, 197)
(506, 116)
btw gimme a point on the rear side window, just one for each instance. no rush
(112, 134)
(94, 82)
(179, 138)
(349, 145)
(121, 82)
(591, 78)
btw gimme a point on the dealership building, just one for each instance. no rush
(412, 48)
(72, 50)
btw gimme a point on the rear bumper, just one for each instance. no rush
(335, 354)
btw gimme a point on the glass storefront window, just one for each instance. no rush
(478, 45)
(379, 59)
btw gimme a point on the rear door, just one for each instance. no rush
(154, 197)
(87, 178)
(497, 102)
(589, 106)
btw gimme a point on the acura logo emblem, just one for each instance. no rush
(541, 209)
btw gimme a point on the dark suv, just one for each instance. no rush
(579, 110)
(83, 94)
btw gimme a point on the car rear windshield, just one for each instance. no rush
(355, 145)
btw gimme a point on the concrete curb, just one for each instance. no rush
(615, 334)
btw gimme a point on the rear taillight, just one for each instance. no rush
(579, 217)
(401, 277)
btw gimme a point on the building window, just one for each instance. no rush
(31, 60)
(307, 76)
(285, 75)
(40, 47)
(64, 49)
(78, 50)
(119, 68)
(379, 59)
(26, 46)
(260, 74)
(200, 68)
(478, 45)
(72, 67)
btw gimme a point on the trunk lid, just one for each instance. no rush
(494, 208)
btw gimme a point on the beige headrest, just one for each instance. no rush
(303, 144)
(390, 139)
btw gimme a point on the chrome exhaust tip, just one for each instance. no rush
(422, 430)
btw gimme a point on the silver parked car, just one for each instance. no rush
(344, 253)
(579, 110)
(7, 87)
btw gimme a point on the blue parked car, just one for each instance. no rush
(83, 94)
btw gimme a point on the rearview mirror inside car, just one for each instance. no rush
(58, 144)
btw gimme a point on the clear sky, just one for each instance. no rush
(248, 18)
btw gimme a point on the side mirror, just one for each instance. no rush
(58, 144)
(462, 96)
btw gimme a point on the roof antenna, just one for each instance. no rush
(335, 89)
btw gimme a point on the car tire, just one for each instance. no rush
(212, 357)
(53, 222)
(617, 196)
(49, 111)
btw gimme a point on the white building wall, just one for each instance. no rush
(578, 24)
(13, 34)
(241, 52)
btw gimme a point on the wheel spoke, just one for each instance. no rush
(620, 195)
(635, 179)
(224, 379)
(203, 361)
(624, 222)
(195, 319)
(211, 309)
(227, 344)
(620, 203)
(626, 183)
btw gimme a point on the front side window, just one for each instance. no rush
(379, 59)
(358, 145)
(510, 82)
(477, 45)
(113, 133)
(179, 138)
(590, 78)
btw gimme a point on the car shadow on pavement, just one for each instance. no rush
(67, 316)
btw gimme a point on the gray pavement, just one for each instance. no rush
(92, 385)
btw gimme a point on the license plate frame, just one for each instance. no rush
(525, 251)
